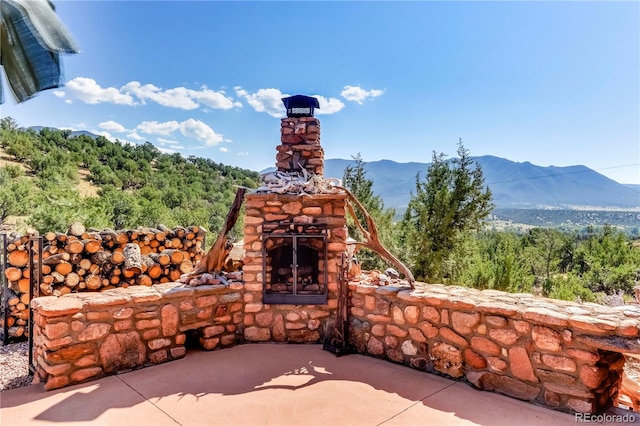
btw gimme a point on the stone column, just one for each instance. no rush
(300, 148)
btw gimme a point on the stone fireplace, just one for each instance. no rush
(295, 229)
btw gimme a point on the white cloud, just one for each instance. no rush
(112, 138)
(223, 149)
(134, 93)
(106, 135)
(216, 100)
(243, 154)
(264, 100)
(167, 150)
(328, 106)
(200, 131)
(167, 141)
(134, 135)
(178, 97)
(156, 128)
(90, 92)
(112, 126)
(358, 94)
(190, 128)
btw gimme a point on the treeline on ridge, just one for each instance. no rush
(137, 184)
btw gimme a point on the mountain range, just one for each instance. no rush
(513, 184)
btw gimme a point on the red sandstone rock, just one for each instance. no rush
(521, 326)
(454, 338)
(428, 330)
(158, 357)
(169, 317)
(589, 357)
(256, 334)
(485, 346)
(474, 360)
(577, 390)
(545, 316)
(581, 406)
(379, 318)
(122, 351)
(264, 319)
(495, 321)
(396, 331)
(447, 359)
(444, 317)
(123, 313)
(411, 314)
(395, 355)
(413, 332)
(209, 344)
(391, 342)
(592, 324)
(52, 306)
(375, 346)
(204, 301)
(559, 362)
(99, 316)
(156, 344)
(144, 324)
(178, 352)
(303, 336)
(463, 322)
(212, 331)
(521, 364)
(546, 338)
(151, 334)
(592, 376)
(53, 331)
(55, 382)
(87, 360)
(504, 335)
(55, 370)
(497, 364)
(503, 384)
(69, 353)
(552, 399)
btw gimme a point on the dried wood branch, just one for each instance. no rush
(217, 255)
(372, 242)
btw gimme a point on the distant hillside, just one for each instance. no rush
(514, 185)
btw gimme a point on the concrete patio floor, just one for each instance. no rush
(270, 384)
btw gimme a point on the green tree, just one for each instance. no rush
(452, 200)
(8, 123)
(15, 192)
(356, 181)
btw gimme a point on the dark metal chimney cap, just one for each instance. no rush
(300, 105)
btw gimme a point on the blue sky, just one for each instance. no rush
(553, 83)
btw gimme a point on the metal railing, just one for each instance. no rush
(5, 288)
(35, 248)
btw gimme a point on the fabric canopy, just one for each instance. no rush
(31, 40)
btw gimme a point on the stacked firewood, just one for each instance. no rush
(96, 260)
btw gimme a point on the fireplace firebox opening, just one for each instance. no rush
(295, 268)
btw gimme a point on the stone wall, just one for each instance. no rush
(84, 336)
(563, 355)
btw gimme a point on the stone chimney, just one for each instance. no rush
(300, 136)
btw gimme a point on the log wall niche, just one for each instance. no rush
(83, 260)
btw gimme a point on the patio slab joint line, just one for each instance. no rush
(416, 403)
(146, 399)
